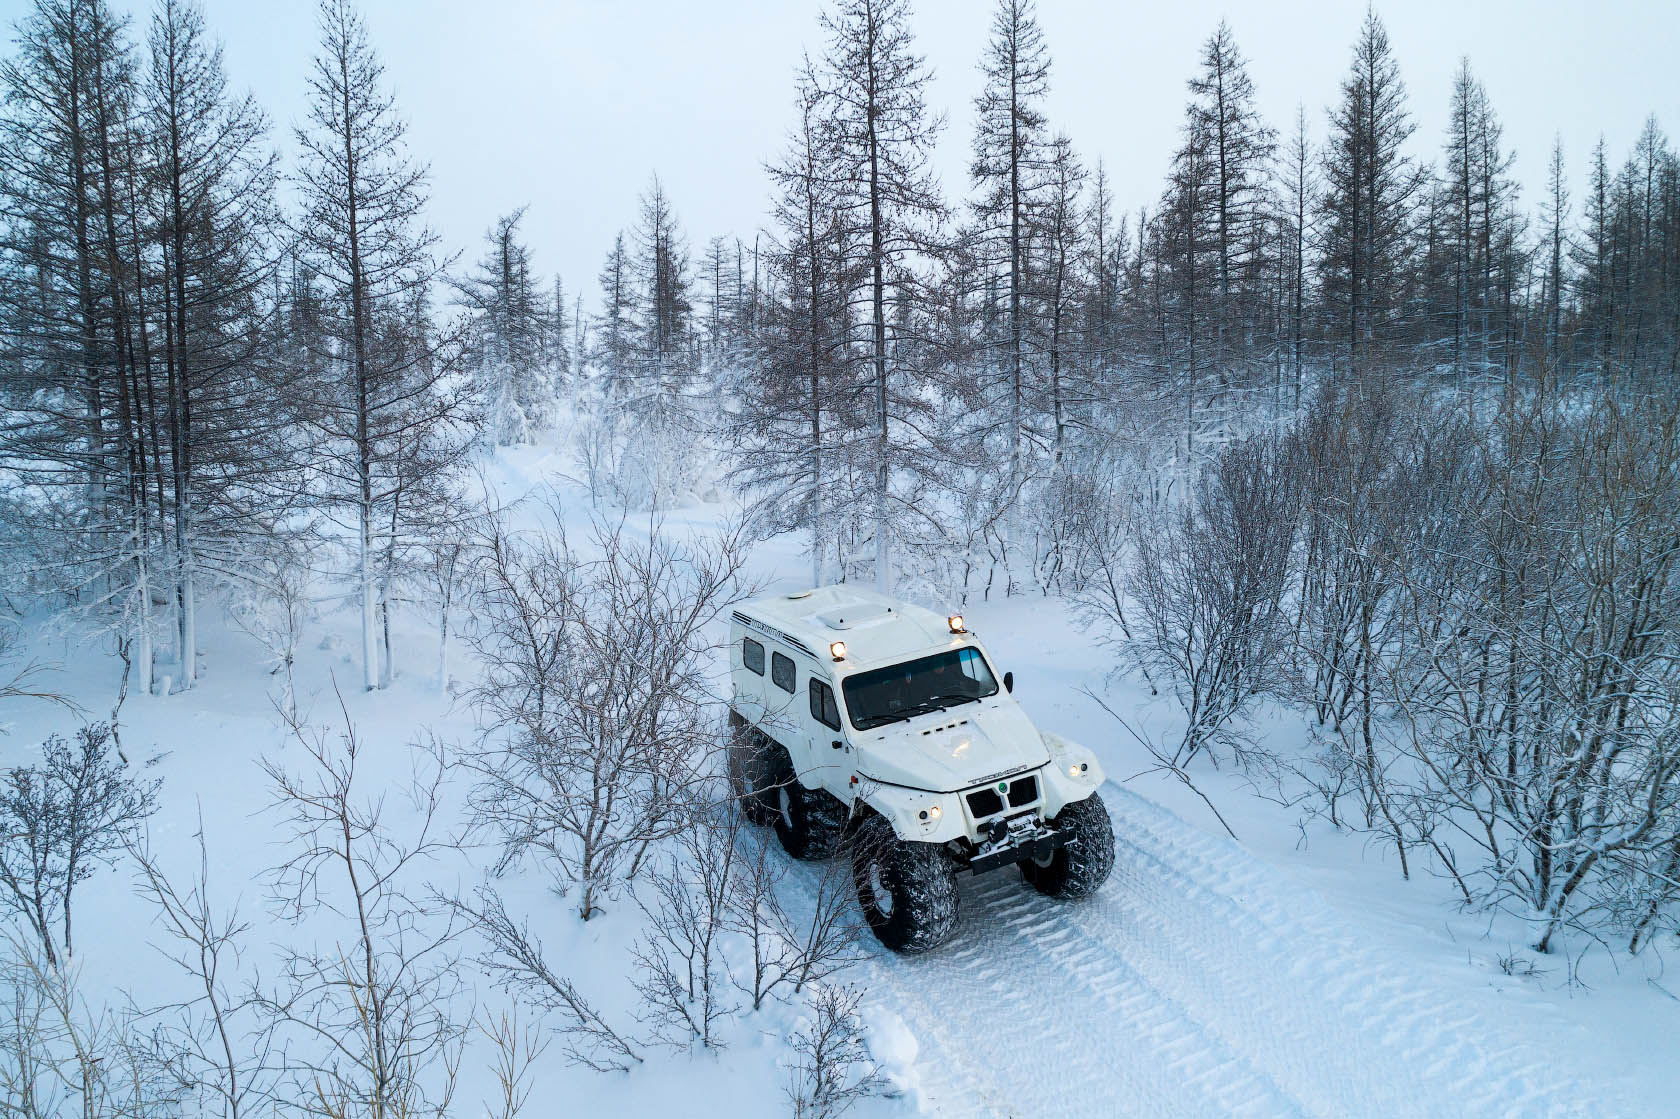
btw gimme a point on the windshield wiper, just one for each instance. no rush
(929, 706)
(926, 707)
(906, 714)
(952, 699)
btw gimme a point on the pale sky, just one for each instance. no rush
(571, 106)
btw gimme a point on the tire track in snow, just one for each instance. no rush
(1342, 1027)
(1199, 981)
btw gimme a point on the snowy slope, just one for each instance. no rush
(1206, 978)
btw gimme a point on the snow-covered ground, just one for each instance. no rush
(1292, 972)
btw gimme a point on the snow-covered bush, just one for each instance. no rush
(271, 604)
(642, 463)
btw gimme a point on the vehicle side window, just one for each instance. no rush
(752, 655)
(823, 709)
(781, 671)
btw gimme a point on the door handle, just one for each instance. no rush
(837, 744)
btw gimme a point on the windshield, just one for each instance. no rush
(916, 687)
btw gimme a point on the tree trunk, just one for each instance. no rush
(878, 309)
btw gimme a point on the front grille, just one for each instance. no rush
(984, 802)
(989, 802)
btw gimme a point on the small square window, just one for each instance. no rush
(752, 655)
(781, 671)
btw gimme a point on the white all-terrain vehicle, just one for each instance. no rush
(858, 720)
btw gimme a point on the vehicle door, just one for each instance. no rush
(829, 754)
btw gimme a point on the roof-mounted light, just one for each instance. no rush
(956, 621)
(838, 650)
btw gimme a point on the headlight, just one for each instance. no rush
(838, 650)
(955, 621)
(1078, 770)
(929, 814)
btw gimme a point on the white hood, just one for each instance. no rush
(968, 745)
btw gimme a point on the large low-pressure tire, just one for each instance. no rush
(1076, 869)
(809, 822)
(748, 763)
(908, 891)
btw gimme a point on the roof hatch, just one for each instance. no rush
(855, 614)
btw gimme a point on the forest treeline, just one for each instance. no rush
(1339, 419)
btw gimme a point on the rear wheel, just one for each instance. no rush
(748, 763)
(809, 822)
(907, 891)
(1077, 868)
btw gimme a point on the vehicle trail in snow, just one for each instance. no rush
(1198, 981)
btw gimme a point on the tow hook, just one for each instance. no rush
(1011, 841)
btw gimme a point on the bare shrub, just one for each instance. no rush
(786, 949)
(1536, 698)
(596, 704)
(515, 961)
(22, 679)
(1487, 624)
(60, 1055)
(60, 821)
(517, 1048)
(1371, 474)
(1209, 578)
(219, 1041)
(682, 976)
(832, 1069)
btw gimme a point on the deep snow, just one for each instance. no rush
(1291, 973)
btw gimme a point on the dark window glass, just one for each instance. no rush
(823, 709)
(781, 671)
(752, 655)
(917, 687)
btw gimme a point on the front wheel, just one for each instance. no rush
(1077, 868)
(809, 822)
(908, 891)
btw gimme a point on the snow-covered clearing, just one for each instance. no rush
(1293, 973)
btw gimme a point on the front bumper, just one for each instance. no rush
(1038, 844)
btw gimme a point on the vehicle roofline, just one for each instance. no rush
(854, 664)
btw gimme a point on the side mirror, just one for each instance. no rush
(1009, 682)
